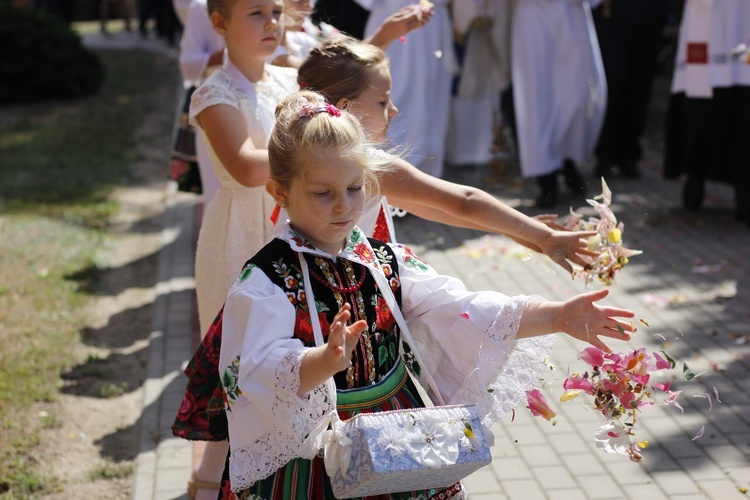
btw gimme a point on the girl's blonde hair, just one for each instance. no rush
(298, 137)
(342, 67)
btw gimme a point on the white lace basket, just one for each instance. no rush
(414, 449)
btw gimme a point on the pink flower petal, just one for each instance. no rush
(592, 355)
(538, 405)
(700, 433)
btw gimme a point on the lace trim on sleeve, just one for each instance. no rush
(216, 90)
(506, 368)
(293, 419)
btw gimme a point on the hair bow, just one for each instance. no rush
(307, 108)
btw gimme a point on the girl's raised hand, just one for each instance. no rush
(584, 320)
(399, 24)
(342, 339)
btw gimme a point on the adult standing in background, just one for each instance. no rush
(482, 29)
(559, 91)
(630, 35)
(422, 66)
(708, 122)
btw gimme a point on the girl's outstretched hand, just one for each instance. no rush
(584, 320)
(564, 246)
(342, 339)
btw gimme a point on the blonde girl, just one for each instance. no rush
(274, 374)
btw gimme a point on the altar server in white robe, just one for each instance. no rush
(422, 67)
(559, 91)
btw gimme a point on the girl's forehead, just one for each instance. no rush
(332, 168)
(251, 4)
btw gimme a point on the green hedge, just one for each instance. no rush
(43, 58)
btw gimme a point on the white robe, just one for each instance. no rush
(722, 25)
(421, 83)
(559, 87)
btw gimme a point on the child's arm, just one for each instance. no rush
(438, 200)
(579, 317)
(322, 362)
(400, 23)
(225, 129)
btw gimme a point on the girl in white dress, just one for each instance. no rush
(274, 375)
(233, 114)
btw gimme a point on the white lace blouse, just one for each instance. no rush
(466, 341)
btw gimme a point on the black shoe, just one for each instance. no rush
(548, 197)
(573, 179)
(692, 194)
(631, 170)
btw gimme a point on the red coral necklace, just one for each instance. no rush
(338, 287)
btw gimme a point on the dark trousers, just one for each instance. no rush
(629, 54)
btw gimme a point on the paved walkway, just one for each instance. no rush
(691, 285)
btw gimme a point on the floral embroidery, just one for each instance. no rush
(291, 282)
(230, 382)
(364, 252)
(412, 261)
(302, 243)
(247, 271)
(303, 326)
(383, 316)
(410, 360)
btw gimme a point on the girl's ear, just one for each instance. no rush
(277, 191)
(342, 103)
(219, 23)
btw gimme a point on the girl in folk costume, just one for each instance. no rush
(559, 91)
(274, 374)
(708, 121)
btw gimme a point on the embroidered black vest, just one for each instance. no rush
(333, 284)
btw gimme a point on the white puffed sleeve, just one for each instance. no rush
(467, 340)
(259, 364)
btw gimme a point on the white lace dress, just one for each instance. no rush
(236, 222)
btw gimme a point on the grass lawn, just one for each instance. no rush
(60, 161)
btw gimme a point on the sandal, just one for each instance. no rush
(196, 484)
